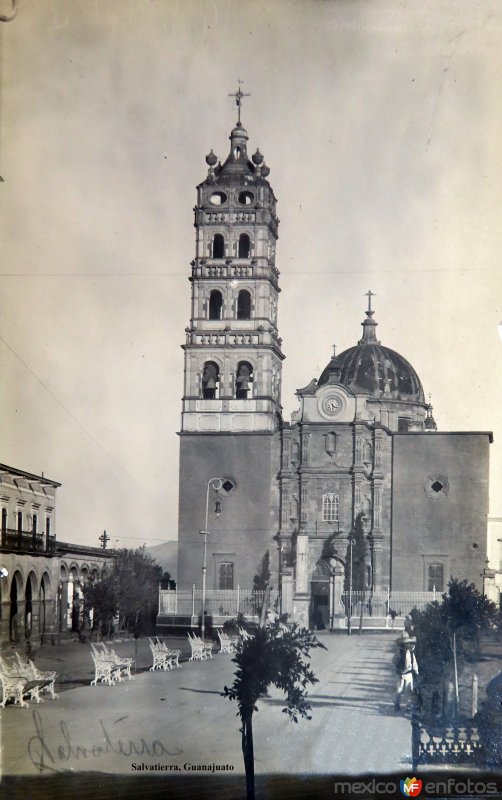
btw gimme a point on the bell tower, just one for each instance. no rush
(231, 408)
(233, 352)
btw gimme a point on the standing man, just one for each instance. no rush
(406, 667)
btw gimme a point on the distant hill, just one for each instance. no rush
(166, 555)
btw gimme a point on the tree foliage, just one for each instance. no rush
(262, 578)
(463, 612)
(274, 656)
(131, 591)
(358, 557)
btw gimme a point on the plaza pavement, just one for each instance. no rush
(178, 718)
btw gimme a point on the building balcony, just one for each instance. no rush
(27, 541)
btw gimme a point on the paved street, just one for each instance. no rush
(179, 718)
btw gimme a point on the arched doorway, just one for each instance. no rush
(326, 593)
(16, 589)
(319, 596)
(62, 600)
(74, 600)
(44, 604)
(30, 594)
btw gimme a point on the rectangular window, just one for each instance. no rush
(19, 521)
(226, 575)
(48, 526)
(435, 578)
(403, 425)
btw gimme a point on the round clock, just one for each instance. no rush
(332, 405)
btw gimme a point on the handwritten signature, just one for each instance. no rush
(51, 757)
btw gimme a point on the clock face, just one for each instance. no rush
(332, 405)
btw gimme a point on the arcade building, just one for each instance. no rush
(362, 455)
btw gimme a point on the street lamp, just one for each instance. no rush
(215, 483)
(352, 542)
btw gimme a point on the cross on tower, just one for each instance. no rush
(104, 538)
(238, 95)
(369, 295)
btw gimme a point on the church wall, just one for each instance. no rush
(244, 531)
(439, 508)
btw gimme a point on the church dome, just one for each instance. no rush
(373, 369)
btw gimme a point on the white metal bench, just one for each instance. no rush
(124, 663)
(161, 658)
(13, 688)
(172, 656)
(227, 645)
(46, 679)
(200, 650)
(106, 670)
(17, 685)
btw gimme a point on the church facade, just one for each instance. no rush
(359, 475)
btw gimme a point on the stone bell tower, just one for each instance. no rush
(231, 408)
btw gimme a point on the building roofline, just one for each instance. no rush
(445, 433)
(24, 474)
(82, 549)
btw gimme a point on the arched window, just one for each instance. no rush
(244, 245)
(330, 507)
(215, 304)
(243, 380)
(210, 380)
(244, 305)
(226, 575)
(218, 246)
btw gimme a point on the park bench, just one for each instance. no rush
(17, 686)
(163, 658)
(200, 650)
(173, 656)
(106, 670)
(124, 663)
(13, 688)
(47, 678)
(227, 645)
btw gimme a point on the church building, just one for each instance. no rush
(359, 477)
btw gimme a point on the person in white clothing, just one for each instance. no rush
(406, 668)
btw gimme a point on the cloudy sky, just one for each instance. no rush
(381, 123)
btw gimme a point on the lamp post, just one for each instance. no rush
(215, 483)
(349, 621)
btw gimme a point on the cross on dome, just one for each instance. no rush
(238, 95)
(369, 295)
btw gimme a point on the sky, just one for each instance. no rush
(381, 123)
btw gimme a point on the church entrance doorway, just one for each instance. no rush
(319, 612)
(320, 596)
(326, 589)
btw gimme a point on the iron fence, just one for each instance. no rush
(219, 602)
(386, 603)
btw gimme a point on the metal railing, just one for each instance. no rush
(387, 603)
(219, 602)
(27, 541)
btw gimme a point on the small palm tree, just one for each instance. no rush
(274, 656)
